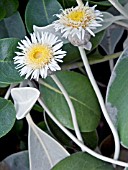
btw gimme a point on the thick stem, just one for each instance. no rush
(119, 7)
(72, 110)
(9, 91)
(101, 101)
(80, 144)
(122, 23)
(91, 61)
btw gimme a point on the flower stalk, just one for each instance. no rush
(119, 7)
(80, 144)
(73, 113)
(101, 101)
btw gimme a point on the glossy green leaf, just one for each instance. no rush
(3, 85)
(57, 132)
(8, 73)
(82, 161)
(67, 3)
(12, 27)
(17, 161)
(7, 116)
(72, 53)
(82, 96)
(8, 7)
(97, 39)
(2, 11)
(90, 139)
(101, 3)
(117, 97)
(40, 13)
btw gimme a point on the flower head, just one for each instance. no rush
(78, 22)
(39, 56)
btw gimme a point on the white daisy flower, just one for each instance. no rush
(39, 56)
(78, 22)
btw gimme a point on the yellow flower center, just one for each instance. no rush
(38, 56)
(77, 16)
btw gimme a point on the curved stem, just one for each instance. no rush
(80, 144)
(101, 101)
(91, 61)
(119, 7)
(122, 23)
(9, 91)
(73, 113)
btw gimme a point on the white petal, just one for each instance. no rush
(57, 46)
(50, 29)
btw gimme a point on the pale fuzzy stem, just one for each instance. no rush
(9, 91)
(79, 2)
(80, 144)
(101, 101)
(122, 23)
(111, 65)
(72, 110)
(119, 7)
(30, 122)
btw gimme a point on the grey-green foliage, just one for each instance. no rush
(117, 97)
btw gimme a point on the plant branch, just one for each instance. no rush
(101, 101)
(119, 7)
(72, 110)
(91, 61)
(9, 91)
(80, 144)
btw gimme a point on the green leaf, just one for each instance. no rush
(67, 3)
(3, 85)
(7, 116)
(72, 53)
(2, 11)
(8, 73)
(57, 132)
(90, 139)
(40, 13)
(82, 96)
(12, 27)
(102, 3)
(82, 161)
(97, 39)
(116, 99)
(8, 7)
